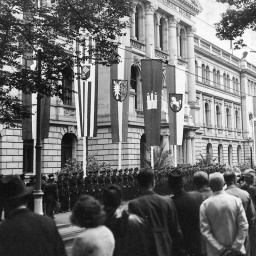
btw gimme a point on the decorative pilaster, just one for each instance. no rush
(172, 27)
(190, 147)
(149, 20)
(157, 39)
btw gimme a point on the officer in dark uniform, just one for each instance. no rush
(65, 184)
(108, 178)
(101, 182)
(130, 184)
(61, 191)
(43, 183)
(51, 196)
(30, 198)
(80, 184)
(73, 189)
(114, 179)
(88, 182)
(126, 184)
(136, 185)
(95, 183)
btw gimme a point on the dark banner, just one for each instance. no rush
(151, 74)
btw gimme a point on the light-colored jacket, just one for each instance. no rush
(223, 223)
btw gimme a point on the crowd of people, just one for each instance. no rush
(216, 219)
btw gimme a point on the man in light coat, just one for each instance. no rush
(223, 221)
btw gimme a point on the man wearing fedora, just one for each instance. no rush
(50, 196)
(25, 233)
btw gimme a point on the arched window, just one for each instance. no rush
(230, 155)
(214, 77)
(225, 81)
(218, 78)
(138, 23)
(207, 75)
(207, 114)
(228, 118)
(68, 148)
(161, 34)
(135, 88)
(237, 120)
(209, 149)
(196, 66)
(228, 83)
(67, 81)
(237, 87)
(220, 153)
(239, 154)
(218, 116)
(203, 74)
(234, 85)
(182, 40)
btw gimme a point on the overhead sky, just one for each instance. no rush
(205, 29)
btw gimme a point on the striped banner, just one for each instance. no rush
(175, 82)
(86, 97)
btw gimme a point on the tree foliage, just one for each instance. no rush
(240, 16)
(53, 28)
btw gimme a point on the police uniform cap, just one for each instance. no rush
(136, 169)
(126, 169)
(130, 170)
(120, 170)
(115, 170)
(108, 170)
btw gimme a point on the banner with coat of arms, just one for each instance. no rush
(151, 74)
(175, 82)
(119, 95)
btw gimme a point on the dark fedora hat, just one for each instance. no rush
(12, 187)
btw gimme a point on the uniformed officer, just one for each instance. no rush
(101, 182)
(65, 182)
(114, 179)
(136, 185)
(130, 184)
(95, 184)
(108, 178)
(88, 182)
(73, 189)
(126, 184)
(80, 184)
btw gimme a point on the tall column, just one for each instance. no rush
(193, 151)
(149, 20)
(191, 73)
(189, 150)
(172, 29)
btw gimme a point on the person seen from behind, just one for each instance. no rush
(129, 230)
(96, 240)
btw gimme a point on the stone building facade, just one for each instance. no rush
(218, 103)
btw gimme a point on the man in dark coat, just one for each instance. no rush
(50, 196)
(188, 209)
(73, 189)
(160, 214)
(129, 230)
(25, 233)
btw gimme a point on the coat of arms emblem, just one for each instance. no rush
(120, 89)
(85, 72)
(175, 101)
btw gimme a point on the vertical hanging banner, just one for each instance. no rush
(120, 75)
(86, 97)
(175, 82)
(151, 74)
